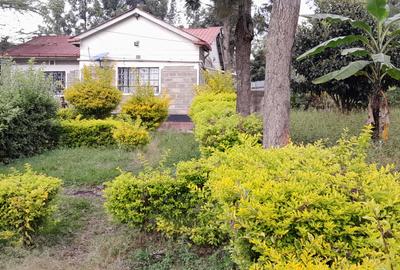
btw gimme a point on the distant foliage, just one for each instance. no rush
(26, 200)
(95, 96)
(144, 105)
(213, 111)
(27, 112)
(308, 207)
(94, 133)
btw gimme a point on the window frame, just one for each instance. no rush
(131, 73)
(50, 74)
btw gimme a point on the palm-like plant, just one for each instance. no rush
(378, 41)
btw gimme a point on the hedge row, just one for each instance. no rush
(106, 132)
(217, 125)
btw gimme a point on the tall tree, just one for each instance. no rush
(22, 5)
(172, 13)
(276, 103)
(244, 34)
(240, 10)
(5, 43)
(348, 94)
(379, 43)
(54, 19)
(81, 15)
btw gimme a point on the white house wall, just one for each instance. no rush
(214, 57)
(155, 43)
(71, 68)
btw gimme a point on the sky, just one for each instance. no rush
(12, 22)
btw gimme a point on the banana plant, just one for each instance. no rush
(377, 42)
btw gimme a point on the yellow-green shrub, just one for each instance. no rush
(105, 132)
(25, 201)
(130, 136)
(155, 200)
(216, 82)
(300, 207)
(95, 96)
(67, 114)
(144, 105)
(217, 125)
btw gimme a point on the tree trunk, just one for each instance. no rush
(378, 115)
(276, 102)
(227, 44)
(244, 36)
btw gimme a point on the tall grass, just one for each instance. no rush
(310, 126)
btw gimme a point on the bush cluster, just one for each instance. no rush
(102, 132)
(213, 112)
(145, 106)
(308, 207)
(27, 112)
(26, 200)
(157, 201)
(95, 96)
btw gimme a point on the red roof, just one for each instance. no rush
(45, 46)
(207, 34)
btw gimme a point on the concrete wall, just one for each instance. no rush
(179, 82)
(256, 101)
(70, 67)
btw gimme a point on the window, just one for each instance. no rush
(58, 81)
(129, 77)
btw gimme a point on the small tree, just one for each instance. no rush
(378, 41)
(94, 96)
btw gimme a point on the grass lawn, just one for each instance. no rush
(93, 166)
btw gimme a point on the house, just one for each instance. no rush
(137, 45)
(54, 54)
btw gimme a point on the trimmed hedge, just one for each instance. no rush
(95, 96)
(26, 200)
(106, 132)
(144, 105)
(217, 125)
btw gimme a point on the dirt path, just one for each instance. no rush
(87, 248)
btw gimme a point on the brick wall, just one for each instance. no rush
(178, 81)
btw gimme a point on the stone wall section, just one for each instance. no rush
(178, 82)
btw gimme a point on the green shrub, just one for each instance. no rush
(147, 107)
(26, 199)
(67, 114)
(308, 207)
(95, 96)
(27, 112)
(155, 200)
(105, 132)
(77, 133)
(217, 125)
(130, 136)
(216, 82)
